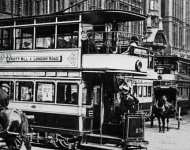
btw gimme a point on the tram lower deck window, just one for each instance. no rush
(24, 91)
(67, 93)
(45, 92)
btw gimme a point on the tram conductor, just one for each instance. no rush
(129, 103)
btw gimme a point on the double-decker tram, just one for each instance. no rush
(173, 80)
(64, 71)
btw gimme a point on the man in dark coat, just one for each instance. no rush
(4, 96)
(128, 102)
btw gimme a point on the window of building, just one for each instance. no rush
(152, 5)
(24, 38)
(67, 93)
(24, 91)
(6, 39)
(3, 5)
(67, 36)
(45, 37)
(45, 92)
(56, 5)
(8, 86)
(27, 7)
(41, 7)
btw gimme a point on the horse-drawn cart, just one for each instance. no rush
(165, 106)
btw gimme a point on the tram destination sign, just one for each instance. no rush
(68, 59)
(11, 58)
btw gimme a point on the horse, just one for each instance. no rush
(162, 110)
(14, 129)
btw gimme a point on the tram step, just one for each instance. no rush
(97, 138)
(93, 146)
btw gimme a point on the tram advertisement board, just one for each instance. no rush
(68, 58)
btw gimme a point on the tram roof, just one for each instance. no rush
(103, 16)
(106, 70)
(93, 17)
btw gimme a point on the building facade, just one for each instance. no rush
(155, 37)
(176, 22)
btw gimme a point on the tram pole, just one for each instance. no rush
(101, 113)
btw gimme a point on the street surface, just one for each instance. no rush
(174, 139)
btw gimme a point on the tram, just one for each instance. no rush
(173, 80)
(64, 71)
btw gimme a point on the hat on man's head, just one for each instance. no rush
(124, 87)
(5, 87)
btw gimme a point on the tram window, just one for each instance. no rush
(67, 36)
(24, 38)
(45, 92)
(8, 86)
(149, 91)
(45, 37)
(140, 91)
(135, 90)
(67, 93)
(96, 94)
(6, 39)
(144, 89)
(24, 90)
(87, 95)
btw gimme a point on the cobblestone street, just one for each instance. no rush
(173, 139)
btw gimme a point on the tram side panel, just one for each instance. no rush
(53, 106)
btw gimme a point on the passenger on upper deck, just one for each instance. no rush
(132, 44)
(26, 45)
(88, 45)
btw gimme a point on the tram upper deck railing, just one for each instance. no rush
(134, 6)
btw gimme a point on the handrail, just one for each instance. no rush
(88, 5)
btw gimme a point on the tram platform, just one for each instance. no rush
(106, 142)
